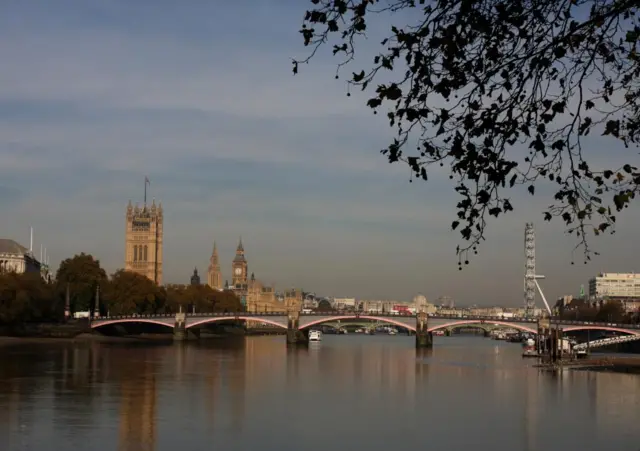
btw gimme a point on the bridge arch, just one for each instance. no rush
(388, 320)
(487, 327)
(239, 317)
(130, 321)
(470, 322)
(603, 328)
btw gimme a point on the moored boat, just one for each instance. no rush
(529, 348)
(315, 335)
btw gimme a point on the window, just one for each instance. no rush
(145, 252)
(135, 253)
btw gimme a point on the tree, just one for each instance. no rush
(83, 273)
(26, 297)
(611, 311)
(129, 292)
(324, 306)
(176, 298)
(226, 301)
(203, 297)
(504, 92)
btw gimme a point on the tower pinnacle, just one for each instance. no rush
(214, 276)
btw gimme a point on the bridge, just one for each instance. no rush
(297, 324)
(606, 342)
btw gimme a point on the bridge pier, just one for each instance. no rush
(294, 335)
(180, 327)
(549, 340)
(424, 338)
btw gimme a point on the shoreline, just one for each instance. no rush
(599, 364)
(85, 337)
(80, 338)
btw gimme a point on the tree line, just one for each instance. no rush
(29, 298)
(612, 311)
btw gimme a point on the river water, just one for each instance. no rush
(345, 393)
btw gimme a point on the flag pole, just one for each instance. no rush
(146, 181)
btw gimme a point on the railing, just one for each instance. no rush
(198, 314)
(606, 341)
(553, 320)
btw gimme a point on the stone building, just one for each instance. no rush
(293, 299)
(143, 240)
(255, 295)
(195, 278)
(17, 258)
(214, 276)
(239, 270)
(262, 298)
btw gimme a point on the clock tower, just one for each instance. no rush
(239, 269)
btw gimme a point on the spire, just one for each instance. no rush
(146, 182)
(195, 278)
(240, 253)
(214, 257)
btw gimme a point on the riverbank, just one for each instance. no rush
(603, 364)
(83, 338)
(9, 341)
(67, 333)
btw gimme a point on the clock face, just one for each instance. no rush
(238, 271)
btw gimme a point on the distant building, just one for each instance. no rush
(262, 298)
(615, 286)
(446, 302)
(17, 258)
(239, 270)
(420, 303)
(344, 303)
(214, 276)
(254, 295)
(143, 240)
(195, 278)
(379, 306)
(293, 299)
(309, 302)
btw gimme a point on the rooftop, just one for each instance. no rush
(11, 247)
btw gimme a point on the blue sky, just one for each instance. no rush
(199, 96)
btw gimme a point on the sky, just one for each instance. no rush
(199, 96)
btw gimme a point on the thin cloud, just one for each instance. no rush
(93, 98)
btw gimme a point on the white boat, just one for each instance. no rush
(392, 331)
(315, 335)
(529, 348)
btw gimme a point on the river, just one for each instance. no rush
(346, 393)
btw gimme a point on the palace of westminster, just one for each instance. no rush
(143, 255)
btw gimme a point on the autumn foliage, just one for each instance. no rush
(28, 297)
(500, 93)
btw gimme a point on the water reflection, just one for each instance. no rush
(254, 393)
(137, 377)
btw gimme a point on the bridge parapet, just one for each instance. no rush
(306, 320)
